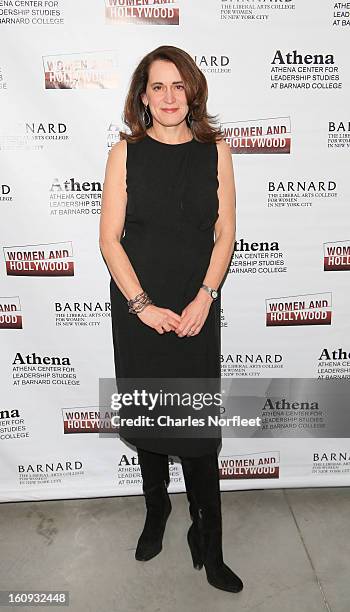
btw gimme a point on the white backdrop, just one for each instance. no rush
(278, 78)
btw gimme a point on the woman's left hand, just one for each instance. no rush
(194, 315)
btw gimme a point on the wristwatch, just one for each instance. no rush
(214, 294)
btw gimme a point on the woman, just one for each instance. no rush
(169, 186)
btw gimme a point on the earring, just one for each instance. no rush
(146, 116)
(189, 118)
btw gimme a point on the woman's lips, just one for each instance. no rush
(169, 110)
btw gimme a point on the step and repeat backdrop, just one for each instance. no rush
(278, 76)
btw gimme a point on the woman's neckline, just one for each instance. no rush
(167, 144)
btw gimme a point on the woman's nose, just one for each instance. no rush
(169, 95)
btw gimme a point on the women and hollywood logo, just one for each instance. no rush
(151, 12)
(269, 135)
(336, 256)
(310, 309)
(52, 259)
(10, 313)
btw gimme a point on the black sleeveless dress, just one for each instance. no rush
(172, 206)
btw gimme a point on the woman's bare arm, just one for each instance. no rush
(114, 198)
(225, 226)
(113, 209)
(194, 315)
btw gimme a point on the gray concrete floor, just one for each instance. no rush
(291, 548)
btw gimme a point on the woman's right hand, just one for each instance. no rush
(160, 319)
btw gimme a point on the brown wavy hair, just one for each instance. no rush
(203, 126)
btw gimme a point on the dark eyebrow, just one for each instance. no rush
(160, 83)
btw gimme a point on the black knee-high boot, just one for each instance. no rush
(204, 537)
(193, 535)
(155, 479)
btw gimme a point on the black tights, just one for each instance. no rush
(202, 470)
(154, 468)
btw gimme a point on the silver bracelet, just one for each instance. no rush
(138, 303)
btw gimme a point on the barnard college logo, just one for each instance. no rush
(82, 307)
(329, 456)
(299, 193)
(340, 126)
(49, 468)
(338, 134)
(261, 10)
(299, 187)
(330, 462)
(5, 193)
(34, 136)
(251, 358)
(213, 63)
(46, 131)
